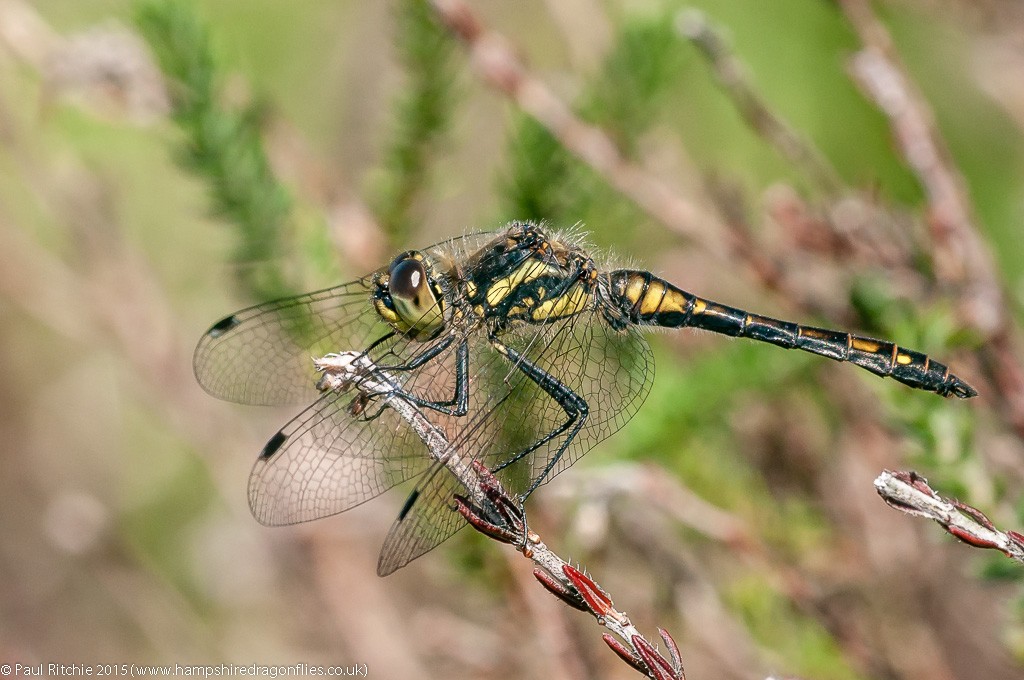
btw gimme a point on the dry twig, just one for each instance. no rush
(910, 493)
(960, 255)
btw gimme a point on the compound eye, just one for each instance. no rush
(408, 282)
(413, 298)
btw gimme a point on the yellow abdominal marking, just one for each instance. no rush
(672, 302)
(574, 301)
(530, 270)
(903, 359)
(865, 345)
(651, 302)
(634, 289)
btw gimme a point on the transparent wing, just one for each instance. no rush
(345, 449)
(262, 355)
(612, 370)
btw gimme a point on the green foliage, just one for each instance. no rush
(543, 180)
(629, 92)
(422, 113)
(684, 424)
(535, 186)
(158, 532)
(943, 437)
(802, 643)
(221, 145)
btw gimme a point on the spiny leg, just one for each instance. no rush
(576, 409)
(458, 405)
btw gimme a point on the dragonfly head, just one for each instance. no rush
(408, 297)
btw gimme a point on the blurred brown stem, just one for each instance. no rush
(496, 62)
(695, 27)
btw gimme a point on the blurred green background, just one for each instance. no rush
(162, 165)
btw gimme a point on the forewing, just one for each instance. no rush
(263, 354)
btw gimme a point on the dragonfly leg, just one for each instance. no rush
(458, 405)
(576, 409)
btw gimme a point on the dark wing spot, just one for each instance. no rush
(273, 445)
(408, 504)
(223, 326)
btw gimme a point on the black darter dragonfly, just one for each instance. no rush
(516, 344)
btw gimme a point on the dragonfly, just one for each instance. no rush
(520, 347)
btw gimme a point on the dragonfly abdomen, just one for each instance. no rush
(649, 300)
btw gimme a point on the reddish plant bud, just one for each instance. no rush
(971, 539)
(625, 653)
(597, 600)
(657, 665)
(555, 587)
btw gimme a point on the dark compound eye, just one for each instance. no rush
(415, 303)
(408, 283)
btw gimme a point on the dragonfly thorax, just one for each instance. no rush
(529, 277)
